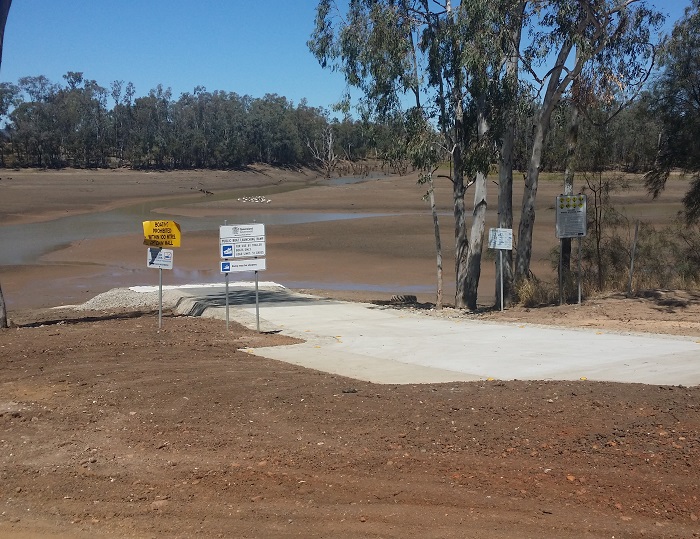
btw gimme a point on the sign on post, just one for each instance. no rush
(571, 223)
(246, 242)
(232, 266)
(501, 238)
(161, 234)
(235, 234)
(156, 235)
(159, 258)
(571, 216)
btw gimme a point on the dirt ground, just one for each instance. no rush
(112, 428)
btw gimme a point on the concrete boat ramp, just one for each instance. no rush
(386, 345)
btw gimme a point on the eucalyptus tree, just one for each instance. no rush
(352, 139)
(513, 104)
(323, 149)
(35, 135)
(9, 98)
(80, 112)
(447, 58)
(678, 93)
(613, 35)
(227, 125)
(117, 119)
(273, 133)
(189, 145)
(231, 117)
(151, 135)
(427, 151)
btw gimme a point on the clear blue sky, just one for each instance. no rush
(249, 47)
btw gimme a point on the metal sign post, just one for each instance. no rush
(159, 234)
(257, 302)
(579, 269)
(501, 239)
(227, 302)
(500, 261)
(571, 222)
(160, 298)
(157, 257)
(246, 242)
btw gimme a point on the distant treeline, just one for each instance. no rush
(70, 125)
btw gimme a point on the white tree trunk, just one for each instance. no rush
(438, 243)
(476, 239)
(461, 240)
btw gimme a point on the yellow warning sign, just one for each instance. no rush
(161, 234)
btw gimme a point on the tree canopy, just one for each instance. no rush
(459, 62)
(677, 105)
(54, 125)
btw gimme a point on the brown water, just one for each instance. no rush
(25, 243)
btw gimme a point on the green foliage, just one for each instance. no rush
(667, 257)
(677, 104)
(49, 125)
(664, 258)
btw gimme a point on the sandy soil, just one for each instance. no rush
(112, 428)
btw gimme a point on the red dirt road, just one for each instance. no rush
(113, 429)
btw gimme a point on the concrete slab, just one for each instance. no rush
(398, 346)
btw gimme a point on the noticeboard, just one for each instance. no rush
(571, 216)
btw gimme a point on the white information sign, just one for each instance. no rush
(243, 242)
(571, 216)
(501, 238)
(159, 258)
(254, 264)
(252, 233)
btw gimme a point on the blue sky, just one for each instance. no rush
(249, 47)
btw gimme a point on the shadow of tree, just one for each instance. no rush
(670, 300)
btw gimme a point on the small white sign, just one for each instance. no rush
(501, 238)
(231, 266)
(159, 258)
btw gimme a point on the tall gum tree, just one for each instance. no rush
(614, 34)
(509, 88)
(487, 47)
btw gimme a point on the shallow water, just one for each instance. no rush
(26, 243)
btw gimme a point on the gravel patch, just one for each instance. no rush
(125, 298)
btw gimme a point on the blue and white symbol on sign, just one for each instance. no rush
(225, 267)
(227, 251)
